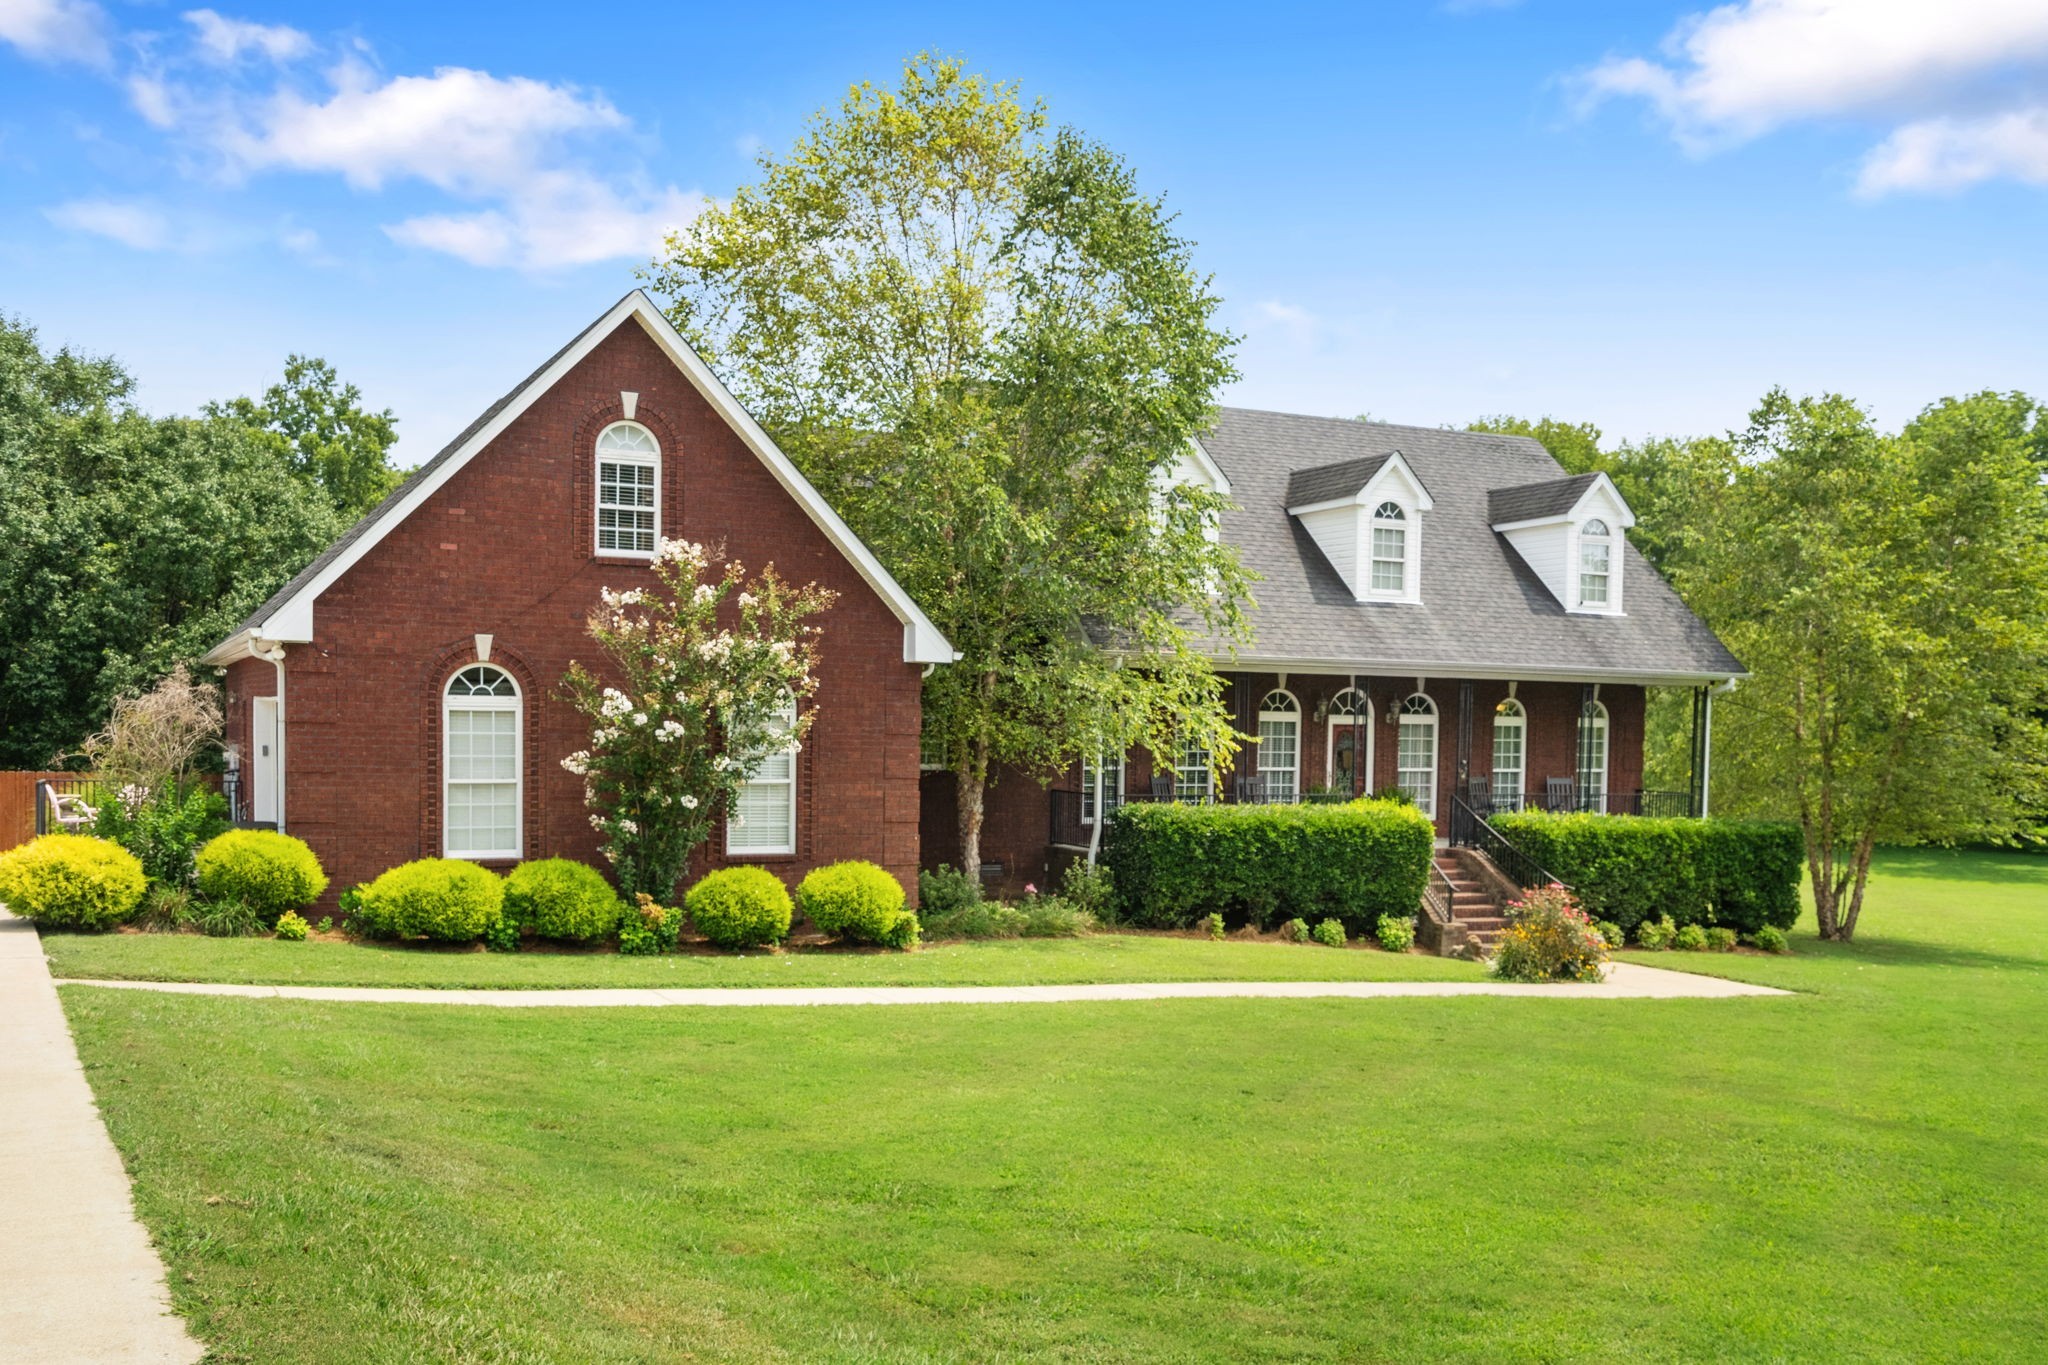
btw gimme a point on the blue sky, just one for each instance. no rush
(1640, 214)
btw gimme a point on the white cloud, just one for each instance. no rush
(56, 30)
(1949, 154)
(131, 224)
(1738, 71)
(225, 40)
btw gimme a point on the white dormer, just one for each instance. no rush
(1570, 532)
(1198, 469)
(1366, 517)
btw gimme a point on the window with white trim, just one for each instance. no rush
(1415, 752)
(1510, 753)
(1191, 773)
(763, 821)
(480, 764)
(1351, 738)
(1112, 784)
(1280, 746)
(628, 490)
(1596, 558)
(1389, 548)
(1593, 757)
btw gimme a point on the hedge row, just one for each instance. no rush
(1173, 864)
(1740, 873)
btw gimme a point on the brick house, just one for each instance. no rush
(439, 628)
(1440, 611)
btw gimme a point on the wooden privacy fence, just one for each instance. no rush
(18, 805)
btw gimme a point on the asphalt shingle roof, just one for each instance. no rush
(1482, 606)
(1331, 482)
(1551, 498)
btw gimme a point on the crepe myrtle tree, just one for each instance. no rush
(709, 661)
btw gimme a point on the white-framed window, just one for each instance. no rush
(1415, 751)
(480, 764)
(1596, 560)
(763, 821)
(1389, 571)
(628, 490)
(1280, 746)
(1593, 757)
(1510, 753)
(1112, 784)
(1191, 773)
(1349, 761)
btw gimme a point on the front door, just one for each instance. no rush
(263, 760)
(1350, 742)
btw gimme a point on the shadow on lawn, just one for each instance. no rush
(1878, 951)
(2004, 868)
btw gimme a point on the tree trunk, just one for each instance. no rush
(968, 794)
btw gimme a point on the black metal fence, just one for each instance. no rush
(68, 804)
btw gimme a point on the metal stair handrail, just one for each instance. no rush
(1470, 829)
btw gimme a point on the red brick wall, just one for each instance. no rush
(504, 548)
(1019, 809)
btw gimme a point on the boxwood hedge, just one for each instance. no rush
(1626, 868)
(1171, 865)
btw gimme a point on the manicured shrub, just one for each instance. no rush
(563, 899)
(1396, 933)
(942, 892)
(1172, 864)
(164, 832)
(1212, 924)
(740, 907)
(269, 872)
(439, 898)
(1721, 939)
(1771, 939)
(1330, 933)
(1611, 932)
(292, 927)
(858, 902)
(1548, 938)
(646, 928)
(1656, 934)
(1295, 931)
(1629, 869)
(71, 881)
(1690, 938)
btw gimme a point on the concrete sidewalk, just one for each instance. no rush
(1625, 981)
(79, 1281)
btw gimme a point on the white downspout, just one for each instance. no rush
(1707, 747)
(275, 657)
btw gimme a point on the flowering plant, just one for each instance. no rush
(1549, 938)
(709, 661)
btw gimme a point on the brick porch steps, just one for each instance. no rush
(1470, 905)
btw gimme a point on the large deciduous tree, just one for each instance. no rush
(318, 428)
(988, 349)
(1890, 595)
(132, 543)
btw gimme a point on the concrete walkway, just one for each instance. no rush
(79, 1281)
(1625, 981)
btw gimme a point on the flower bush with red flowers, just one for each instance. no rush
(1549, 938)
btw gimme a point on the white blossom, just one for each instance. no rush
(639, 717)
(689, 802)
(578, 762)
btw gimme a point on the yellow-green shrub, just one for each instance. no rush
(268, 871)
(444, 898)
(859, 902)
(740, 907)
(559, 898)
(71, 881)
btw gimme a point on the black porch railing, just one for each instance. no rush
(1567, 799)
(1471, 829)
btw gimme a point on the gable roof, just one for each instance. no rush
(1333, 482)
(288, 616)
(1483, 613)
(1536, 501)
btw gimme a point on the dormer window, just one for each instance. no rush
(1596, 555)
(1389, 548)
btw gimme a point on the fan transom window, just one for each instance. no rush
(480, 767)
(628, 490)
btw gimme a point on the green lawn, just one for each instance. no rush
(1008, 962)
(1859, 1172)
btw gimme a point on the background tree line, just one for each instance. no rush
(132, 543)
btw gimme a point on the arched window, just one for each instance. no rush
(480, 764)
(628, 490)
(1415, 752)
(1280, 746)
(1596, 559)
(1389, 548)
(1510, 753)
(763, 822)
(1593, 757)
(1350, 751)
